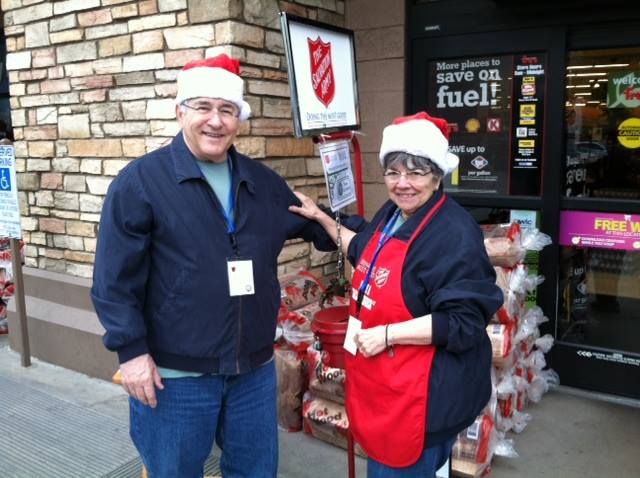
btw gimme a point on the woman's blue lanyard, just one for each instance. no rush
(385, 236)
(228, 213)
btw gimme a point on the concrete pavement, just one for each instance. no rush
(571, 435)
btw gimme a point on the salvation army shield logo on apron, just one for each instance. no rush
(381, 277)
(322, 79)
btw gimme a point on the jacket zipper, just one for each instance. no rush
(239, 341)
(234, 245)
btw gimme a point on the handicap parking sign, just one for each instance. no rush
(9, 205)
(5, 179)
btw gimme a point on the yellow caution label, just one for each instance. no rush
(629, 133)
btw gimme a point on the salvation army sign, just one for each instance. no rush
(324, 85)
(322, 76)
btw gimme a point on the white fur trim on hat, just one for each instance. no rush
(419, 137)
(212, 83)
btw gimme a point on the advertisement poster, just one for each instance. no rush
(527, 138)
(322, 76)
(623, 89)
(338, 176)
(528, 220)
(472, 94)
(600, 230)
(494, 106)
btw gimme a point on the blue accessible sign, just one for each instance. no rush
(9, 206)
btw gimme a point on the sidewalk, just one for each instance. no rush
(55, 423)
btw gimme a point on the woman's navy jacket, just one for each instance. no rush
(447, 274)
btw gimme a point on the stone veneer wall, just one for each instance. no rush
(92, 84)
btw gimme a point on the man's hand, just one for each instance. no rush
(139, 379)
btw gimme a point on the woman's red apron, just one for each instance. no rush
(386, 395)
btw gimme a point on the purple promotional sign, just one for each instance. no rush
(600, 229)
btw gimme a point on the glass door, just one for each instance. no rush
(564, 153)
(599, 285)
(499, 93)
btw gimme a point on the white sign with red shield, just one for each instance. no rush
(322, 77)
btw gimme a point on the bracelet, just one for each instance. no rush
(386, 336)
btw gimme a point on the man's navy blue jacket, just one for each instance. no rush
(447, 274)
(160, 279)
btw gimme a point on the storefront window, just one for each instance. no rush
(495, 109)
(600, 303)
(603, 124)
(600, 280)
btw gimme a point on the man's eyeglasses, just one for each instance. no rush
(413, 175)
(202, 108)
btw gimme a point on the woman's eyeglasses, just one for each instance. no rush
(413, 175)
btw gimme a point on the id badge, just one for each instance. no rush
(240, 273)
(353, 327)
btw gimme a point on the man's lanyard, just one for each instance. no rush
(385, 236)
(228, 213)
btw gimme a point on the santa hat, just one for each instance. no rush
(420, 135)
(217, 77)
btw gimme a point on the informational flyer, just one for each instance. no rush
(338, 175)
(600, 229)
(527, 138)
(9, 206)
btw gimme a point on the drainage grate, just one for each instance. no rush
(133, 468)
(43, 437)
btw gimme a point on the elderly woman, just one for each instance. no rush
(423, 293)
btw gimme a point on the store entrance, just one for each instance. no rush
(531, 166)
(599, 285)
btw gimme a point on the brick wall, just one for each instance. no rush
(92, 85)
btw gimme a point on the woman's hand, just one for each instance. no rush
(370, 342)
(309, 208)
(311, 211)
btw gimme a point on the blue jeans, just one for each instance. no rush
(429, 462)
(239, 411)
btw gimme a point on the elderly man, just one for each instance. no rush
(185, 285)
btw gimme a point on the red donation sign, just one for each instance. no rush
(322, 78)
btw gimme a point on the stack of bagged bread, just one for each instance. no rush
(518, 351)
